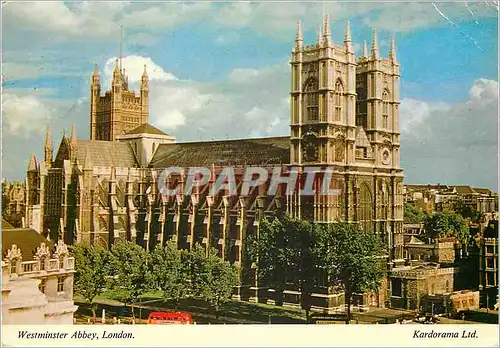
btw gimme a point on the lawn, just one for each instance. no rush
(233, 312)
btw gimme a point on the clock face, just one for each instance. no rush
(386, 158)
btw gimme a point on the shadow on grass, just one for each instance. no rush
(233, 312)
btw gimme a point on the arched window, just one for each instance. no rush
(365, 207)
(337, 100)
(13, 266)
(385, 109)
(42, 285)
(311, 96)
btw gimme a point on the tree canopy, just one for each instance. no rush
(351, 257)
(131, 272)
(412, 215)
(92, 269)
(440, 225)
(294, 251)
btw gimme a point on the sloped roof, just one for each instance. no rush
(483, 191)
(6, 224)
(415, 240)
(106, 153)
(262, 151)
(146, 128)
(464, 189)
(26, 239)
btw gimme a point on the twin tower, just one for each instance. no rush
(334, 92)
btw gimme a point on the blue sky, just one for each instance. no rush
(220, 71)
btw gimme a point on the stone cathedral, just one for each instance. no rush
(344, 116)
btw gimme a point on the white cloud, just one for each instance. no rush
(484, 90)
(134, 67)
(101, 19)
(25, 113)
(414, 112)
(453, 144)
(251, 102)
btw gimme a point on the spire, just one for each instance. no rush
(347, 38)
(374, 49)
(48, 138)
(72, 138)
(48, 147)
(365, 50)
(117, 78)
(320, 39)
(96, 70)
(32, 163)
(392, 49)
(144, 79)
(326, 29)
(95, 77)
(87, 164)
(299, 37)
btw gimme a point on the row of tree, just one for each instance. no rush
(128, 271)
(289, 251)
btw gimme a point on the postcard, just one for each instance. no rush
(262, 174)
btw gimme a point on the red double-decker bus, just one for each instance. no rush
(166, 318)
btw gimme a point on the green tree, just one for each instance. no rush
(215, 280)
(92, 269)
(351, 257)
(267, 250)
(440, 225)
(466, 211)
(412, 215)
(283, 253)
(170, 272)
(131, 273)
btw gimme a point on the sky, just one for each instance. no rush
(221, 71)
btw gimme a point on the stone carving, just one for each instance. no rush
(339, 149)
(42, 251)
(310, 148)
(61, 248)
(14, 253)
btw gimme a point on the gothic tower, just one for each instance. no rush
(323, 100)
(344, 119)
(377, 82)
(120, 109)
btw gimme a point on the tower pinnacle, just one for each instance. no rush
(326, 30)
(365, 50)
(48, 147)
(32, 163)
(347, 39)
(299, 38)
(374, 48)
(392, 50)
(72, 138)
